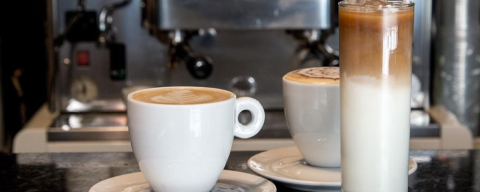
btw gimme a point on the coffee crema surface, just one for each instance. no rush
(315, 75)
(182, 95)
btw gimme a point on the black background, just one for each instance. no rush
(22, 56)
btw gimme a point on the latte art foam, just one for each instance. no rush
(316, 75)
(182, 95)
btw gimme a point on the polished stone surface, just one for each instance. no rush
(444, 170)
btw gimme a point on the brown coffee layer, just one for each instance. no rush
(376, 43)
(315, 75)
(182, 95)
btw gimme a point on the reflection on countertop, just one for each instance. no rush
(438, 170)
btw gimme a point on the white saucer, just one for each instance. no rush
(229, 181)
(286, 165)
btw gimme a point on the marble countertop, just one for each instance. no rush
(442, 170)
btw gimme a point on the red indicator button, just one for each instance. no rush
(83, 58)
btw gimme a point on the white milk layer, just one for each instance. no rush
(375, 131)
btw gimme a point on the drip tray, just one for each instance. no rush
(113, 126)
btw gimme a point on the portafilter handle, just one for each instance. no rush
(312, 47)
(200, 67)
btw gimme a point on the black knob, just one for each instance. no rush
(199, 67)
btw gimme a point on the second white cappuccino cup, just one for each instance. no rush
(312, 110)
(184, 147)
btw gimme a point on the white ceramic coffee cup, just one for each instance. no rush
(313, 118)
(185, 147)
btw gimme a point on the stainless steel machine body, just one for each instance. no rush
(247, 46)
(244, 15)
(457, 59)
(250, 61)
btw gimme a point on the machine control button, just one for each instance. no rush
(83, 58)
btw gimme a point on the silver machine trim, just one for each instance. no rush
(244, 14)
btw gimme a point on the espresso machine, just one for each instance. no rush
(99, 51)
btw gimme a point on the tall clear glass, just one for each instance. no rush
(375, 69)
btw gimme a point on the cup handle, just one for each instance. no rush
(258, 117)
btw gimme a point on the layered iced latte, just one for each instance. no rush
(375, 72)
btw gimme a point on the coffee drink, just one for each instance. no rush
(316, 75)
(182, 95)
(377, 44)
(182, 136)
(376, 68)
(312, 111)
